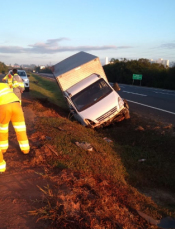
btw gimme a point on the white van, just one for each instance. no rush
(91, 99)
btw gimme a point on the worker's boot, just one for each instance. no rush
(26, 151)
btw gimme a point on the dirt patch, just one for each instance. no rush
(19, 184)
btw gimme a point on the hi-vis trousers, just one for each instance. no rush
(2, 163)
(14, 113)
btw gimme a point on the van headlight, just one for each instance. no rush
(120, 102)
(89, 122)
(25, 80)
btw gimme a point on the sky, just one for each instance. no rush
(45, 32)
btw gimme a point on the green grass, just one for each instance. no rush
(102, 160)
(44, 88)
(154, 145)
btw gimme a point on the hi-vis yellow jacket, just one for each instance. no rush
(18, 84)
(6, 95)
(9, 79)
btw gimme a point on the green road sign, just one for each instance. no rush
(137, 77)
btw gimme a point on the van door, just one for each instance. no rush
(74, 112)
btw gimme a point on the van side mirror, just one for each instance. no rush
(116, 87)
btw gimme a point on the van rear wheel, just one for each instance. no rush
(27, 89)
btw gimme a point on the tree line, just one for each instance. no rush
(44, 70)
(153, 74)
(3, 68)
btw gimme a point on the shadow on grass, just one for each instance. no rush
(147, 152)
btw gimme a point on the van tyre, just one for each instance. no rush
(127, 115)
(27, 89)
(126, 104)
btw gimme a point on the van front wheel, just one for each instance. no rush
(127, 115)
(126, 104)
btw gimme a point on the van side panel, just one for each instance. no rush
(75, 75)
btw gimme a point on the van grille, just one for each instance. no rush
(107, 114)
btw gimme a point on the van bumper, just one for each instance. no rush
(123, 114)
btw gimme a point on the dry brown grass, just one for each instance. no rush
(90, 190)
(81, 200)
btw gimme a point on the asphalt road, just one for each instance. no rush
(151, 102)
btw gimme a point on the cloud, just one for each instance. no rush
(52, 46)
(11, 49)
(168, 45)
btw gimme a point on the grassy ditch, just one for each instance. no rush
(43, 88)
(147, 149)
(104, 183)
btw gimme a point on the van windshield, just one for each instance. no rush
(91, 95)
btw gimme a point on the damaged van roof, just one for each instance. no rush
(72, 62)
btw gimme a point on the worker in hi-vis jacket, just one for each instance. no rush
(11, 110)
(9, 79)
(18, 84)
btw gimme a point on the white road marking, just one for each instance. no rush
(134, 93)
(150, 88)
(162, 90)
(164, 93)
(152, 107)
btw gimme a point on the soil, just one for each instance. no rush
(19, 190)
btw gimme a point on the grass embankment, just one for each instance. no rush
(100, 180)
(44, 88)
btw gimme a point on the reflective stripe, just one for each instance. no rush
(15, 83)
(3, 145)
(5, 91)
(2, 166)
(24, 145)
(3, 128)
(19, 127)
(18, 84)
